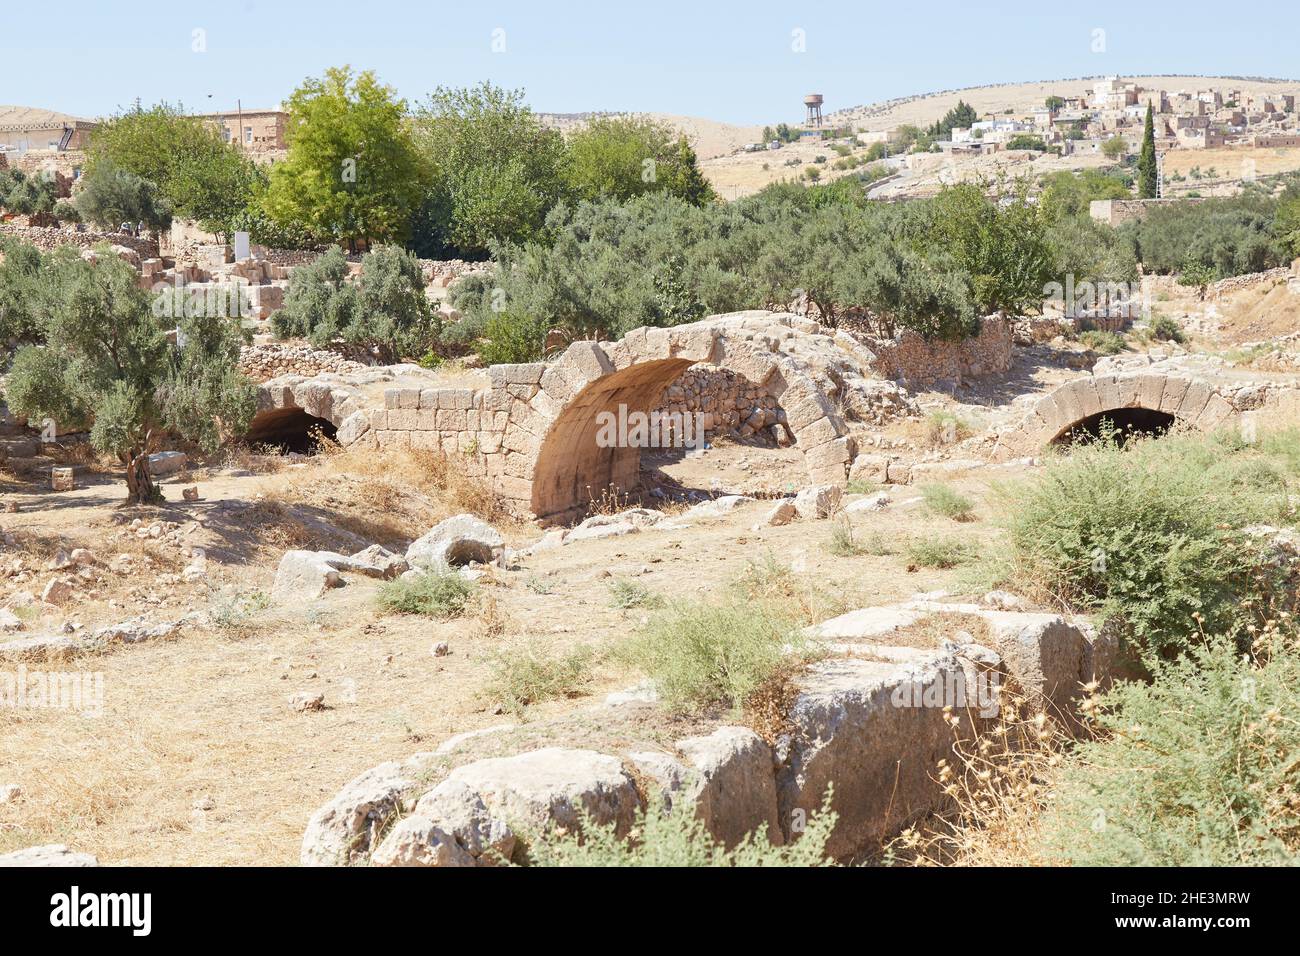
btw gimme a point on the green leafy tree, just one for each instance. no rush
(110, 196)
(1026, 141)
(387, 310)
(200, 176)
(1054, 103)
(30, 195)
(352, 171)
(20, 269)
(1000, 242)
(1147, 179)
(104, 361)
(1115, 147)
(495, 171)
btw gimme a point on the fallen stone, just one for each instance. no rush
(303, 575)
(783, 512)
(53, 854)
(418, 841)
(343, 831)
(732, 784)
(877, 502)
(819, 501)
(717, 507)
(457, 541)
(10, 792)
(58, 591)
(41, 647)
(544, 788)
(306, 700)
(9, 621)
(458, 810)
(378, 562)
(164, 463)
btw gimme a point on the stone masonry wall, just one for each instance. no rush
(916, 361)
(47, 238)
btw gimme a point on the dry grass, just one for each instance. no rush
(933, 629)
(1000, 782)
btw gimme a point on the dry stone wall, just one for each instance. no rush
(917, 361)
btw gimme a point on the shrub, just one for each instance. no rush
(678, 838)
(527, 674)
(943, 500)
(700, 655)
(626, 594)
(1196, 769)
(843, 542)
(937, 552)
(1103, 343)
(1149, 535)
(440, 593)
(386, 309)
(1167, 330)
(945, 428)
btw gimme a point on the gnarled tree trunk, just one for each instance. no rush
(139, 483)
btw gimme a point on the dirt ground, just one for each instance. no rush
(197, 757)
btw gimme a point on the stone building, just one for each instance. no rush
(23, 128)
(254, 130)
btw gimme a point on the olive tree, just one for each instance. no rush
(104, 361)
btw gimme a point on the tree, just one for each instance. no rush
(110, 196)
(495, 171)
(625, 156)
(960, 116)
(1115, 148)
(104, 361)
(1147, 178)
(29, 195)
(200, 176)
(1054, 103)
(20, 269)
(1001, 243)
(353, 171)
(387, 310)
(1026, 141)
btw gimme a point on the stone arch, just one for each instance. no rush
(552, 455)
(286, 402)
(1187, 401)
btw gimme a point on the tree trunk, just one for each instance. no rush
(139, 483)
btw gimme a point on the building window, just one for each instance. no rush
(248, 134)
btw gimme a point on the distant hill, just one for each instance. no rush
(709, 138)
(924, 109)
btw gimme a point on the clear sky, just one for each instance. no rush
(729, 61)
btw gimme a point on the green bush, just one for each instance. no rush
(700, 655)
(440, 593)
(1167, 330)
(1198, 768)
(677, 838)
(1103, 343)
(1149, 536)
(937, 552)
(944, 500)
(624, 595)
(386, 309)
(528, 674)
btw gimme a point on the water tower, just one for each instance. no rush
(813, 104)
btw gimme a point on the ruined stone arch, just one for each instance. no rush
(529, 429)
(1187, 401)
(554, 433)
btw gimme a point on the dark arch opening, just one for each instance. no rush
(1126, 423)
(289, 430)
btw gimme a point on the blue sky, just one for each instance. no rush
(726, 61)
